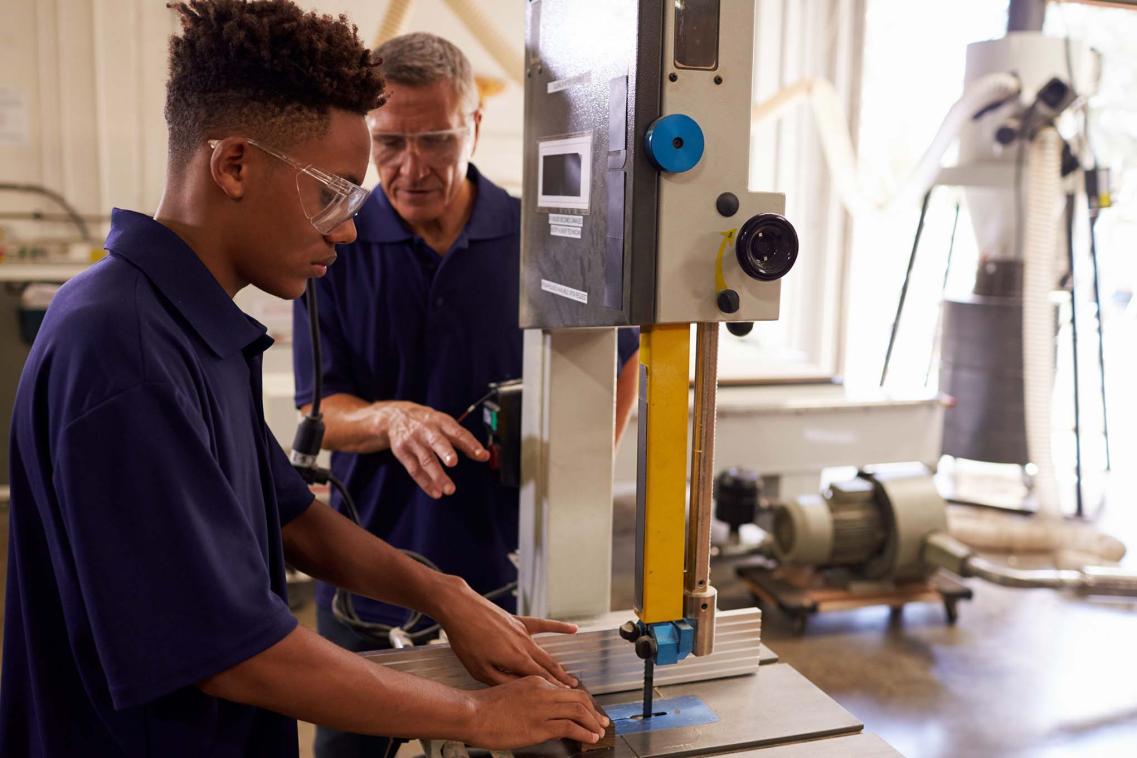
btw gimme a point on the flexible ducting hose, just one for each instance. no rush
(1071, 542)
(832, 125)
(1042, 230)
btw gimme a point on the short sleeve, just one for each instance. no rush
(292, 494)
(335, 354)
(627, 343)
(172, 568)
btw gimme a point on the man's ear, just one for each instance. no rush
(229, 167)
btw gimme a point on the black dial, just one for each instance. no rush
(766, 247)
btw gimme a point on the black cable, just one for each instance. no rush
(314, 335)
(1101, 336)
(473, 406)
(1079, 505)
(58, 199)
(343, 606)
(904, 287)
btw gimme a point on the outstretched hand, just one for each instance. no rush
(424, 441)
(497, 647)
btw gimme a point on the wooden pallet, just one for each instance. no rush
(801, 592)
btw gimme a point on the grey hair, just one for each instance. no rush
(420, 59)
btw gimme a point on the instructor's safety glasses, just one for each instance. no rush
(438, 147)
(326, 199)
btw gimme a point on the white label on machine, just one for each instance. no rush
(563, 291)
(572, 81)
(565, 231)
(566, 219)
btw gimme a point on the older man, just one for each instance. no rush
(418, 316)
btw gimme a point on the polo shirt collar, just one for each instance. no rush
(175, 270)
(492, 216)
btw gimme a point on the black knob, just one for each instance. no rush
(646, 647)
(630, 631)
(740, 328)
(766, 247)
(1006, 134)
(736, 493)
(728, 301)
(727, 204)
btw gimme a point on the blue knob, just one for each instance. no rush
(674, 143)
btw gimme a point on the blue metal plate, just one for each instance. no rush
(670, 714)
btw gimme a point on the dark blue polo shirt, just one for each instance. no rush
(400, 322)
(145, 527)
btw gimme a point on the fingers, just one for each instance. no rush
(441, 447)
(465, 441)
(538, 625)
(422, 466)
(582, 712)
(565, 729)
(440, 483)
(551, 668)
(534, 661)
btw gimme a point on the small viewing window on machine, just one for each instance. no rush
(564, 173)
(560, 174)
(697, 34)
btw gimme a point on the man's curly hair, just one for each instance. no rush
(265, 69)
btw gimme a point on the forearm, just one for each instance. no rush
(324, 544)
(627, 392)
(309, 678)
(353, 425)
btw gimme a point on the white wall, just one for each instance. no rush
(91, 74)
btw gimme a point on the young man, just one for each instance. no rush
(151, 511)
(416, 319)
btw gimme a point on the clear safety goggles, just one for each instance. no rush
(439, 146)
(327, 200)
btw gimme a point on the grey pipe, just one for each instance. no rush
(944, 551)
(1008, 576)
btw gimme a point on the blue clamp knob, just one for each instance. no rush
(674, 143)
(675, 641)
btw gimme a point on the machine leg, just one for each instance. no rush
(951, 610)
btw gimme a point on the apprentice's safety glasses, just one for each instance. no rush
(440, 146)
(326, 199)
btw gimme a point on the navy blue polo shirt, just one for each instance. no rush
(147, 499)
(400, 322)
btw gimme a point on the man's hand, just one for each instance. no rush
(495, 646)
(421, 437)
(530, 711)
